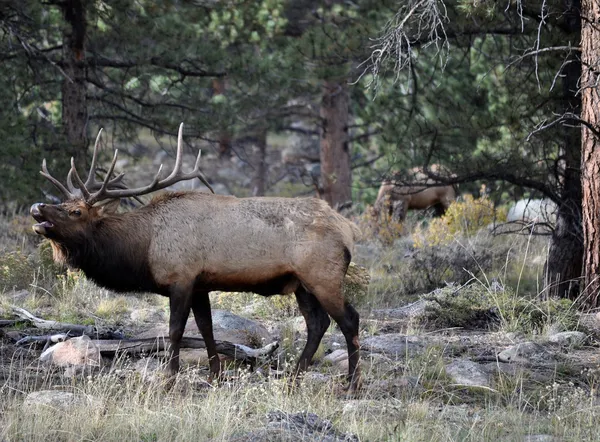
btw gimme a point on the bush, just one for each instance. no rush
(463, 218)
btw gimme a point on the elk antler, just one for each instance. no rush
(93, 191)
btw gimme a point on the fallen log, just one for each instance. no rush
(238, 352)
(110, 347)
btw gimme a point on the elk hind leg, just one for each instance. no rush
(203, 317)
(317, 322)
(347, 318)
(179, 303)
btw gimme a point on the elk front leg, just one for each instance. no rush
(203, 316)
(179, 303)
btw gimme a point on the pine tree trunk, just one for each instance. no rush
(259, 159)
(219, 86)
(336, 174)
(565, 257)
(590, 146)
(74, 103)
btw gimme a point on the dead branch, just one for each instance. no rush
(71, 330)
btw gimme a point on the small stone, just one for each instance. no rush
(466, 372)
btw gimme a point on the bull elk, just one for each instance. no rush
(183, 245)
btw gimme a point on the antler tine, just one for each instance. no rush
(91, 174)
(179, 158)
(96, 196)
(84, 191)
(44, 172)
(70, 185)
(199, 174)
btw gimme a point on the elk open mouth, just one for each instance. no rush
(43, 225)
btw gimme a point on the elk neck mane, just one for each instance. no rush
(112, 251)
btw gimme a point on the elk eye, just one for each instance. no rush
(76, 212)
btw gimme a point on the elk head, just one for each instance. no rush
(91, 201)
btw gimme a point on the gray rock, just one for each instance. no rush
(60, 400)
(395, 345)
(252, 331)
(466, 372)
(226, 327)
(525, 352)
(76, 352)
(568, 338)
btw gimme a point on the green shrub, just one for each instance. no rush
(463, 218)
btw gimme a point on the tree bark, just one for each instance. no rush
(219, 86)
(565, 257)
(590, 146)
(336, 173)
(259, 160)
(74, 103)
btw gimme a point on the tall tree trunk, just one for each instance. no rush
(565, 257)
(219, 86)
(259, 160)
(74, 103)
(590, 146)
(336, 174)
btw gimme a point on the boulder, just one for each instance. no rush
(77, 352)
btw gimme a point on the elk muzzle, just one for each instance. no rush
(43, 225)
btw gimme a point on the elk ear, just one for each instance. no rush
(108, 207)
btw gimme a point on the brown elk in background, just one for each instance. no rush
(396, 198)
(185, 244)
